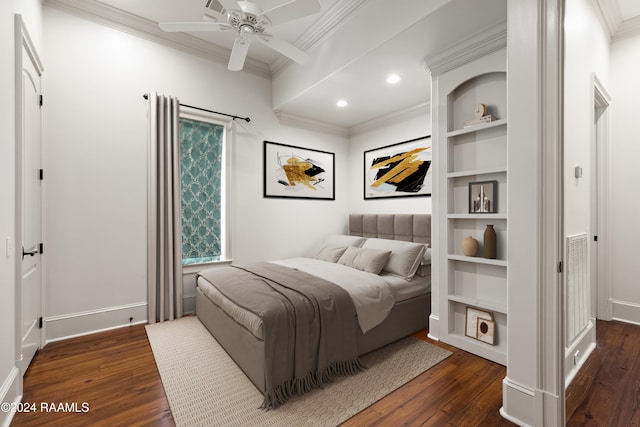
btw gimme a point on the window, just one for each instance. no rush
(203, 169)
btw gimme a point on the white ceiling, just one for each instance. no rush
(354, 45)
(629, 9)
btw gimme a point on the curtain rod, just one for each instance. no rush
(246, 119)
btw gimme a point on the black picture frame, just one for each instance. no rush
(483, 197)
(297, 173)
(409, 175)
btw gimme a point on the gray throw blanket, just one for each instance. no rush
(309, 325)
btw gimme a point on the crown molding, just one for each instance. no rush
(129, 23)
(289, 119)
(468, 49)
(423, 109)
(609, 12)
(628, 28)
(310, 124)
(337, 14)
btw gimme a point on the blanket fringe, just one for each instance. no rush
(299, 386)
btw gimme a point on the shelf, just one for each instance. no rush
(468, 155)
(478, 260)
(497, 353)
(475, 172)
(485, 216)
(479, 303)
(477, 128)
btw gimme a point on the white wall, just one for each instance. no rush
(586, 53)
(586, 56)
(10, 380)
(625, 157)
(416, 125)
(96, 168)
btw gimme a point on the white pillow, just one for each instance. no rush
(426, 258)
(405, 256)
(338, 240)
(369, 260)
(329, 253)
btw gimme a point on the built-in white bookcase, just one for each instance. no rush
(465, 155)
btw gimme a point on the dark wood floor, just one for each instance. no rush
(614, 397)
(115, 374)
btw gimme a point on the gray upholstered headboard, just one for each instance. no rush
(407, 227)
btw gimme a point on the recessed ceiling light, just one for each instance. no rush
(393, 79)
(342, 103)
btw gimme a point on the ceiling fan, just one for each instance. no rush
(250, 23)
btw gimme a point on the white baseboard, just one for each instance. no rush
(189, 304)
(433, 327)
(518, 403)
(625, 311)
(77, 324)
(10, 392)
(578, 352)
(72, 325)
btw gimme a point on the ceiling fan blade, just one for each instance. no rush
(187, 27)
(238, 53)
(285, 48)
(212, 16)
(229, 4)
(286, 3)
(289, 10)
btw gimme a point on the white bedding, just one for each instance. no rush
(371, 294)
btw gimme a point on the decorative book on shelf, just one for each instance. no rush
(480, 116)
(484, 119)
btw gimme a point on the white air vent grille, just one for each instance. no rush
(576, 286)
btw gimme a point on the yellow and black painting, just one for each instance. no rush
(298, 172)
(399, 170)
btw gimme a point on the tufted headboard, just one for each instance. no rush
(407, 227)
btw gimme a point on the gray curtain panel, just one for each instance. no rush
(164, 268)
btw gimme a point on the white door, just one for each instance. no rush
(29, 178)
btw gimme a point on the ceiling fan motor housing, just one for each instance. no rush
(248, 19)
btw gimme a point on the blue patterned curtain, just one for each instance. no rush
(201, 162)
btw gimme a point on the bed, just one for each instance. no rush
(353, 321)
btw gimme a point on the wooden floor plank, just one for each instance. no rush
(611, 401)
(115, 373)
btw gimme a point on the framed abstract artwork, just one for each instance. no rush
(398, 170)
(296, 172)
(483, 197)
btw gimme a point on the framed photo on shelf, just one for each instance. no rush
(472, 317)
(486, 330)
(298, 173)
(483, 197)
(398, 170)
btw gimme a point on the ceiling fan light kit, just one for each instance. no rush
(250, 22)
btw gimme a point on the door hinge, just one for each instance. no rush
(41, 248)
(40, 100)
(41, 174)
(595, 238)
(560, 267)
(40, 321)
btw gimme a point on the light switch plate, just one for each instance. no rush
(9, 247)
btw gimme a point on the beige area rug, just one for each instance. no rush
(206, 388)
